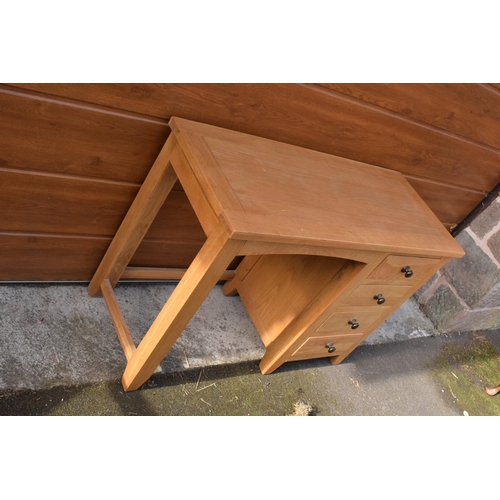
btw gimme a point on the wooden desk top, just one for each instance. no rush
(269, 191)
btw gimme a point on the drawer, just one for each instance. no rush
(365, 295)
(321, 346)
(339, 321)
(391, 270)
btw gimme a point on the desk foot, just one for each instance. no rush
(268, 364)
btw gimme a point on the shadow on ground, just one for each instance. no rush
(442, 375)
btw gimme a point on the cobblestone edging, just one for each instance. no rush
(465, 294)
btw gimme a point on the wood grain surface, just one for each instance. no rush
(471, 111)
(274, 192)
(33, 202)
(39, 257)
(56, 138)
(72, 156)
(307, 116)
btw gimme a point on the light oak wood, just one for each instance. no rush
(397, 303)
(261, 177)
(196, 196)
(317, 347)
(231, 287)
(157, 273)
(124, 335)
(341, 320)
(364, 295)
(321, 236)
(200, 278)
(390, 271)
(281, 286)
(259, 248)
(315, 313)
(212, 179)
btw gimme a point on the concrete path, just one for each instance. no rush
(60, 356)
(54, 335)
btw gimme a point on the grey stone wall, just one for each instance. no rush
(465, 294)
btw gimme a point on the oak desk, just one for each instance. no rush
(331, 246)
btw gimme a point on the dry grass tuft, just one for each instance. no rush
(301, 409)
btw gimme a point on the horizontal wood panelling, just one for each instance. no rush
(308, 117)
(72, 157)
(43, 258)
(449, 208)
(169, 253)
(468, 110)
(41, 203)
(39, 257)
(151, 99)
(176, 220)
(24, 91)
(44, 136)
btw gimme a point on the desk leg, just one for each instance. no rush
(201, 276)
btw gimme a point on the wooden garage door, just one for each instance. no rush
(72, 156)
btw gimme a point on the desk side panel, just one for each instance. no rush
(279, 287)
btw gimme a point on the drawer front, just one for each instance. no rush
(390, 271)
(368, 295)
(327, 345)
(344, 321)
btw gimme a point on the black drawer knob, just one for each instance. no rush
(379, 298)
(330, 347)
(353, 324)
(408, 272)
